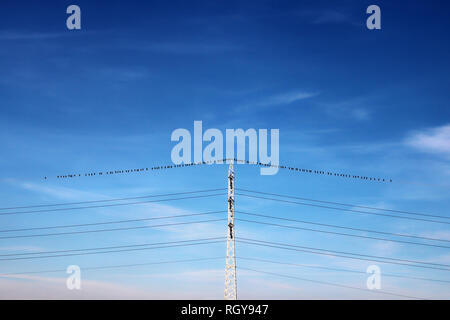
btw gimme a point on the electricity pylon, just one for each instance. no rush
(230, 266)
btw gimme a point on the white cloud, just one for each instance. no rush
(281, 99)
(357, 108)
(332, 17)
(287, 98)
(188, 48)
(13, 35)
(54, 192)
(120, 74)
(384, 248)
(36, 287)
(325, 17)
(202, 284)
(437, 234)
(434, 140)
(22, 248)
(361, 114)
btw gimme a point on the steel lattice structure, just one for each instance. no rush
(230, 266)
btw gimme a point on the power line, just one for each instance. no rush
(176, 262)
(111, 222)
(356, 254)
(112, 205)
(111, 251)
(111, 200)
(216, 258)
(341, 209)
(139, 170)
(209, 259)
(111, 247)
(332, 284)
(344, 204)
(333, 253)
(341, 269)
(343, 234)
(110, 230)
(341, 256)
(222, 161)
(318, 172)
(342, 227)
(114, 266)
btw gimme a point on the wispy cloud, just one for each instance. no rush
(331, 17)
(280, 99)
(434, 140)
(355, 108)
(22, 248)
(54, 192)
(438, 234)
(188, 48)
(118, 74)
(335, 16)
(384, 248)
(286, 98)
(37, 287)
(360, 114)
(23, 35)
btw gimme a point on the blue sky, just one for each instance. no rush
(108, 96)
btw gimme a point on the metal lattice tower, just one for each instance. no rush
(230, 266)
